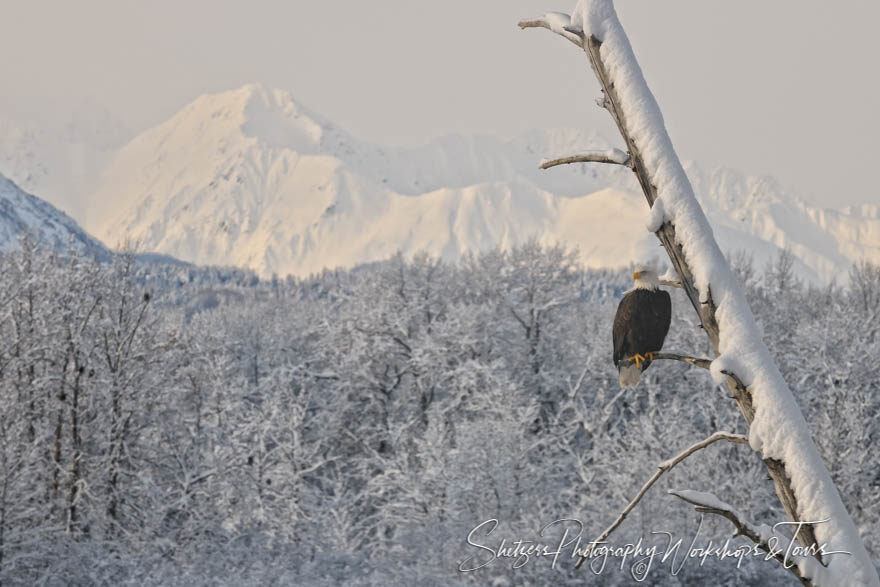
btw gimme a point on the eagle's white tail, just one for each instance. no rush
(629, 375)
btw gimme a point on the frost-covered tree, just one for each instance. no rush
(350, 456)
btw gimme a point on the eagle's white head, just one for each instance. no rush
(645, 278)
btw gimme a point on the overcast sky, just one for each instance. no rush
(785, 87)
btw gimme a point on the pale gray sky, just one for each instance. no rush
(786, 87)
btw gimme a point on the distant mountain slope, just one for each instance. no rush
(21, 213)
(251, 178)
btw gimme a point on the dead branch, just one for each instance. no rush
(671, 283)
(701, 363)
(661, 469)
(744, 529)
(612, 157)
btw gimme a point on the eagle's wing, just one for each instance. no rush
(621, 326)
(664, 316)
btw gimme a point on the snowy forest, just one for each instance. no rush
(175, 425)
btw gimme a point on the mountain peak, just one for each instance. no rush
(252, 178)
(254, 111)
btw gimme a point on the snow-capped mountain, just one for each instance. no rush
(251, 178)
(21, 213)
(757, 215)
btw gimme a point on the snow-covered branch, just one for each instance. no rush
(661, 469)
(610, 156)
(775, 545)
(558, 22)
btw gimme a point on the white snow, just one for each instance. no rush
(656, 216)
(591, 18)
(557, 21)
(670, 275)
(779, 430)
(617, 155)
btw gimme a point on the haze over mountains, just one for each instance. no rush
(60, 160)
(251, 178)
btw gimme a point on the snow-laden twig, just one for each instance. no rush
(661, 469)
(709, 504)
(610, 156)
(558, 22)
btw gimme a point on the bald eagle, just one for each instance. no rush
(640, 326)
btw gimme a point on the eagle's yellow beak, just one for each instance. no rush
(637, 274)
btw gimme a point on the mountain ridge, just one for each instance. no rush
(250, 177)
(25, 215)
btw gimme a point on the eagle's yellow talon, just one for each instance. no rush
(638, 357)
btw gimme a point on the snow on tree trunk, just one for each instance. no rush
(777, 427)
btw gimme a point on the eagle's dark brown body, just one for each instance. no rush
(640, 326)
